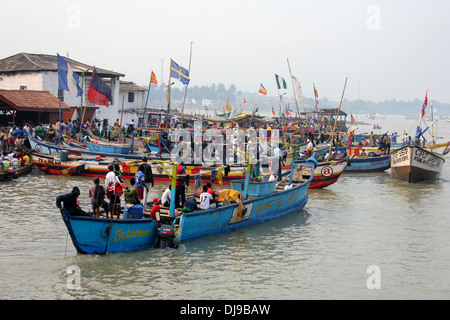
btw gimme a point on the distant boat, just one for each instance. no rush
(415, 164)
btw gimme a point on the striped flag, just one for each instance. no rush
(316, 95)
(262, 89)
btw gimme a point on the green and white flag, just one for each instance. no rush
(280, 82)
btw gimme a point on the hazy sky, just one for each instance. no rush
(387, 49)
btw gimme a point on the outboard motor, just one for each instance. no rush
(11, 174)
(166, 236)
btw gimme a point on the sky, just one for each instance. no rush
(386, 49)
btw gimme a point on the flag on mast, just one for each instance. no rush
(297, 89)
(99, 93)
(425, 104)
(280, 82)
(273, 112)
(352, 120)
(178, 72)
(153, 78)
(67, 79)
(262, 89)
(316, 95)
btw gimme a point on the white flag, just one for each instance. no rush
(297, 89)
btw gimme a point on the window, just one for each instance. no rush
(130, 96)
(23, 87)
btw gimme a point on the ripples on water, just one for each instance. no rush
(320, 252)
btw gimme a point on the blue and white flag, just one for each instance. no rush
(68, 80)
(178, 72)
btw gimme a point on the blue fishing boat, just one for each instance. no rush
(109, 148)
(99, 235)
(50, 148)
(239, 209)
(368, 164)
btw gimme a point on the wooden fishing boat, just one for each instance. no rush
(415, 164)
(326, 173)
(367, 164)
(15, 173)
(98, 235)
(45, 147)
(108, 147)
(285, 198)
(98, 167)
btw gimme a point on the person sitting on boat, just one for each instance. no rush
(206, 198)
(25, 160)
(165, 199)
(15, 162)
(156, 210)
(131, 196)
(190, 205)
(363, 153)
(97, 194)
(70, 203)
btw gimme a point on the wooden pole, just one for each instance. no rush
(145, 107)
(293, 89)
(185, 92)
(335, 120)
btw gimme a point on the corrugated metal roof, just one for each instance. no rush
(30, 62)
(29, 100)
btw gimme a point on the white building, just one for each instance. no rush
(25, 71)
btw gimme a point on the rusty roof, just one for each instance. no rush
(30, 100)
(30, 62)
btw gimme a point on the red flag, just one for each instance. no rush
(153, 79)
(425, 104)
(99, 93)
(245, 101)
(352, 120)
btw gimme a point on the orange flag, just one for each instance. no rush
(153, 79)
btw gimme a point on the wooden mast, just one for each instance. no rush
(335, 120)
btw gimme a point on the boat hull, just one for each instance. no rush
(51, 164)
(254, 210)
(90, 235)
(415, 164)
(364, 164)
(97, 147)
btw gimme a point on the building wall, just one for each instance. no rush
(31, 80)
(130, 107)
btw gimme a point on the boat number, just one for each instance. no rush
(327, 171)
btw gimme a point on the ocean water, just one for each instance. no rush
(368, 236)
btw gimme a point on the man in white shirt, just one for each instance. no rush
(165, 199)
(111, 180)
(205, 199)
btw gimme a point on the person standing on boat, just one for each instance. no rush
(387, 144)
(97, 195)
(148, 179)
(70, 203)
(111, 182)
(140, 184)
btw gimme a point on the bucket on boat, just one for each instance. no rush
(134, 212)
(63, 155)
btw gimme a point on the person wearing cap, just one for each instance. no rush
(156, 209)
(97, 195)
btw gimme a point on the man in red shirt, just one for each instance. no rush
(156, 208)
